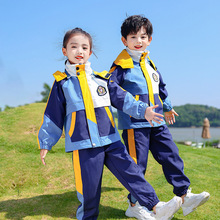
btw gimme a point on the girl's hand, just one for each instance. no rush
(43, 153)
(150, 115)
(170, 116)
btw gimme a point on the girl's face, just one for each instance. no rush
(138, 41)
(77, 49)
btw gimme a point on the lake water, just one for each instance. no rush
(193, 134)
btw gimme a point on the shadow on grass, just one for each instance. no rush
(56, 206)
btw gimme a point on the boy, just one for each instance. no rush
(136, 73)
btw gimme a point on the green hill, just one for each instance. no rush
(193, 115)
(29, 190)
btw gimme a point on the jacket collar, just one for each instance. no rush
(71, 68)
(126, 57)
(124, 60)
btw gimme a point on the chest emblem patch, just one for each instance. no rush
(101, 90)
(155, 77)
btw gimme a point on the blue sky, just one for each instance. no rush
(185, 45)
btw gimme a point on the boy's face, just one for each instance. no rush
(138, 41)
(77, 49)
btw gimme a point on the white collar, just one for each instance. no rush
(71, 68)
(135, 54)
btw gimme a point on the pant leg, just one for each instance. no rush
(129, 174)
(137, 144)
(166, 153)
(88, 169)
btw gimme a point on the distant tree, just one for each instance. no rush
(0, 109)
(193, 115)
(45, 93)
(7, 107)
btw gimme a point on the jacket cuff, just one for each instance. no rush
(142, 110)
(44, 145)
(167, 106)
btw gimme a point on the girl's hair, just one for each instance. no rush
(133, 24)
(74, 31)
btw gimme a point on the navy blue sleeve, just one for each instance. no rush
(123, 100)
(53, 120)
(117, 74)
(56, 105)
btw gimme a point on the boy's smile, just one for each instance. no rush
(138, 41)
(138, 47)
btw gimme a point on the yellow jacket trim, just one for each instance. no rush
(137, 97)
(131, 144)
(147, 77)
(160, 100)
(72, 127)
(87, 97)
(124, 60)
(104, 74)
(112, 69)
(77, 171)
(59, 76)
(110, 116)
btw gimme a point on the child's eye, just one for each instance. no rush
(73, 46)
(85, 48)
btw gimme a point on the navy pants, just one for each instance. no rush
(88, 169)
(159, 141)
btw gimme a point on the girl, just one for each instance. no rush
(79, 101)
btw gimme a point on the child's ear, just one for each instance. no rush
(149, 41)
(90, 53)
(124, 41)
(64, 51)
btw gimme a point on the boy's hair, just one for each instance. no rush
(133, 24)
(74, 31)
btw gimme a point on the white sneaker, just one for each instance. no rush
(139, 212)
(192, 201)
(160, 204)
(166, 210)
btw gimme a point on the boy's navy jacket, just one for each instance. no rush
(80, 102)
(137, 74)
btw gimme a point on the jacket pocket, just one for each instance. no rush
(105, 121)
(110, 116)
(73, 123)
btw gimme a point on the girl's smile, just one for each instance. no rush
(79, 58)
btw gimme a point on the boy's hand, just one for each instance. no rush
(150, 115)
(170, 116)
(43, 153)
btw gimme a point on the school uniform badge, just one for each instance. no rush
(101, 90)
(155, 77)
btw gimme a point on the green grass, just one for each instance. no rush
(29, 190)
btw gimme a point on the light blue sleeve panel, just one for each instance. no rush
(135, 109)
(49, 134)
(125, 101)
(167, 106)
